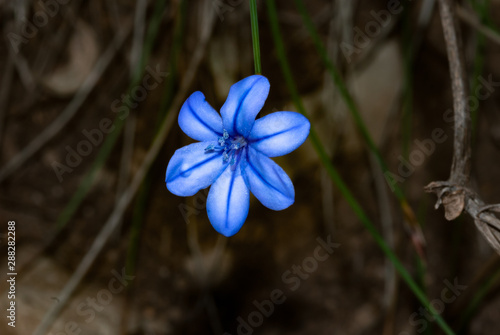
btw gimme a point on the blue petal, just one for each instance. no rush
(191, 169)
(244, 102)
(199, 120)
(267, 181)
(228, 202)
(279, 133)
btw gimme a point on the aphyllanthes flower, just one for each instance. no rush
(233, 153)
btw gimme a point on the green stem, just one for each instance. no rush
(346, 96)
(143, 196)
(335, 176)
(111, 139)
(408, 213)
(408, 52)
(255, 36)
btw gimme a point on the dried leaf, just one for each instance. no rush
(83, 52)
(454, 204)
(491, 233)
(493, 208)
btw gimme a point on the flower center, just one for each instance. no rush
(230, 147)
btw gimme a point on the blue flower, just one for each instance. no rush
(233, 153)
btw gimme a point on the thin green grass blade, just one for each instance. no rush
(111, 139)
(407, 105)
(144, 192)
(255, 36)
(174, 57)
(420, 265)
(351, 105)
(334, 175)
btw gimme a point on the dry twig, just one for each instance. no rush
(130, 123)
(475, 23)
(58, 124)
(133, 187)
(454, 194)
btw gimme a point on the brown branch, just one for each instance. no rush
(454, 194)
(460, 169)
(472, 20)
(129, 193)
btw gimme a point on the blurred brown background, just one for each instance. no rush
(68, 73)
